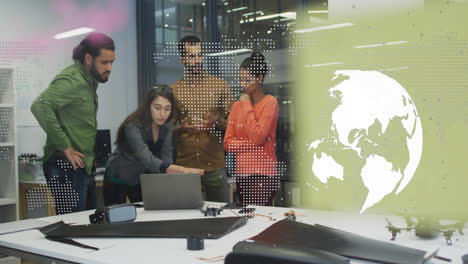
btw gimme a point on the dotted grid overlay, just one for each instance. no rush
(7, 128)
(61, 187)
(7, 132)
(23, 59)
(18, 61)
(7, 123)
(299, 42)
(441, 91)
(6, 158)
(441, 95)
(7, 171)
(198, 102)
(38, 197)
(6, 86)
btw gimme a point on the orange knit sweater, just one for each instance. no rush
(251, 134)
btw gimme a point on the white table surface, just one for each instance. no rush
(157, 250)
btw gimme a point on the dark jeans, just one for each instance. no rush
(214, 184)
(257, 189)
(115, 193)
(73, 190)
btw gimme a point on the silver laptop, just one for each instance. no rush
(171, 191)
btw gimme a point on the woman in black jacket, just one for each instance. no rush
(144, 145)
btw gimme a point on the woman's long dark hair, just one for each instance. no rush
(142, 116)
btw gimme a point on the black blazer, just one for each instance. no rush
(134, 157)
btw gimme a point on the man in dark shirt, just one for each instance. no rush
(67, 111)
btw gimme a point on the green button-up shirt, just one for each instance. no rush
(67, 110)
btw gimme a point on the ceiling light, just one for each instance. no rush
(229, 52)
(74, 32)
(325, 64)
(307, 30)
(287, 15)
(317, 11)
(251, 14)
(380, 44)
(236, 9)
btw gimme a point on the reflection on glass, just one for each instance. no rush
(261, 19)
(170, 10)
(170, 36)
(159, 37)
(176, 18)
(186, 17)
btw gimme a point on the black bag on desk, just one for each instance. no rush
(256, 253)
(304, 238)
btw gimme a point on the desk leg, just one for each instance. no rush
(50, 203)
(22, 201)
(232, 190)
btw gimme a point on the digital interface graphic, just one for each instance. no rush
(378, 127)
(381, 113)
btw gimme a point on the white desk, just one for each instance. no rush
(32, 243)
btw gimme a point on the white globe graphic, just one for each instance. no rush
(377, 120)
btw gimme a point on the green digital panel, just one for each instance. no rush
(381, 112)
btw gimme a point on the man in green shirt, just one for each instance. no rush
(66, 111)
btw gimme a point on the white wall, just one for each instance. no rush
(27, 46)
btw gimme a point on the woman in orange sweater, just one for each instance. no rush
(251, 134)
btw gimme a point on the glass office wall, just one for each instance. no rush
(175, 19)
(243, 26)
(258, 19)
